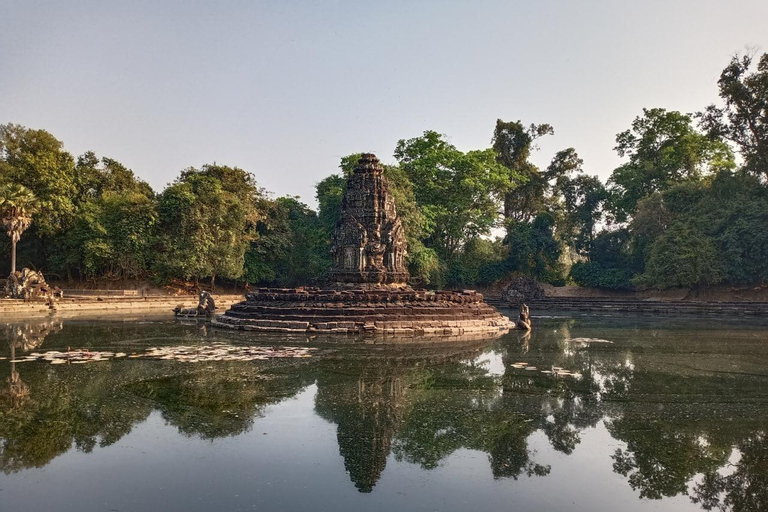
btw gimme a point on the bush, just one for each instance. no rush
(682, 257)
(594, 275)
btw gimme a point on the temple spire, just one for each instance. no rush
(368, 244)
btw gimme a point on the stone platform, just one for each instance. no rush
(367, 291)
(393, 312)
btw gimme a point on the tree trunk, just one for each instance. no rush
(213, 281)
(13, 256)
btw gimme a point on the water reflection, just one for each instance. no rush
(684, 404)
(24, 337)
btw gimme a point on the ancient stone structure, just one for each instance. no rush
(404, 312)
(29, 284)
(368, 245)
(206, 308)
(522, 289)
(368, 292)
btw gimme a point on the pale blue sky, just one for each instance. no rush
(283, 89)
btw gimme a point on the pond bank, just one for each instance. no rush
(644, 306)
(75, 305)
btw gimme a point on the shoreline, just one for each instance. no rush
(70, 306)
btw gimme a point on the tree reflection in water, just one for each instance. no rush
(688, 425)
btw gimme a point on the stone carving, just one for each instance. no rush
(402, 312)
(29, 284)
(368, 294)
(522, 289)
(524, 320)
(206, 307)
(368, 244)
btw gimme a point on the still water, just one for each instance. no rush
(657, 415)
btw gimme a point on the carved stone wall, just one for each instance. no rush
(369, 245)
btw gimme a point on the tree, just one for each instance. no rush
(533, 249)
(458, 193)
(663, 149)
(207, 220)
(35, 159)
(114, 233)
(114, 223)
(291, 246)
(17, 205)
(683, 256)
(609, 263)
(329, 193)
(744, 118)
(583, 199)
(512, 144)
(96, 177)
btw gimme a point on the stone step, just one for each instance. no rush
(613, 305)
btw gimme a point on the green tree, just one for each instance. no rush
(744, 117)
(534, 251)
(96, 177)
(114, 223)
(291, 247)
(329, 193)
(583, 199)
(114, 235)
(458, 193)
(683, 256)
(17, 205)
(512, 144)
(663, 148)
(207, 217)
(36, 159)
(609, 264)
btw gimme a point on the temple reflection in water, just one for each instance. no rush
(684, 425)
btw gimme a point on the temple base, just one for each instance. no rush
(378, 312)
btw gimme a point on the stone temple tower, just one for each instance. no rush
(368, 245)
(368, 293)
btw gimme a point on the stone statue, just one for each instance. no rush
(206, 307)
(524, 320)
(368, 245)
(29, 284)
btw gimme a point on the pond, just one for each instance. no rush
(585, 414)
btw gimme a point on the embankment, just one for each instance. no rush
(72, 305)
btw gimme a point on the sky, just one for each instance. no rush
(283, 89)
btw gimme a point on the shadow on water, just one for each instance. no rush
(684, 402)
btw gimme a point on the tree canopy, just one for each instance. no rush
(680, 209)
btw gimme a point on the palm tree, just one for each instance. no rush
(17, 205)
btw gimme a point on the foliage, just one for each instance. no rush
(291, 247)
(583, 199)
(512, 144)
(17, 205)
(36, 160)
(683, 256)
(609, 264)
(458, 193)
(594, 275)
(329, 193)
(534, 251)
(481, 262)
(206, 223)
(744, 118)
(115, 234)
(677, 212)
(663, 149)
